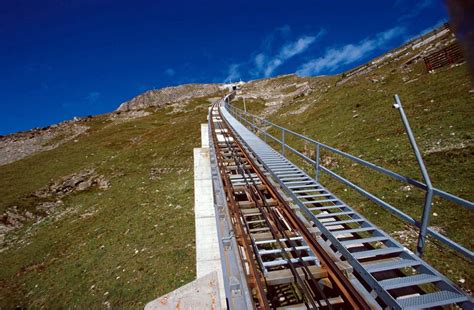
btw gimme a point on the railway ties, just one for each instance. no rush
(284, 264)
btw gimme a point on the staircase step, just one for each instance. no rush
(309, 190)
(323, 215)
(377, 252)
(352, 230)
(418, 279)
(363, 240)
(303, 186)
(313, 196)
(320, 201)
(431, 300)
(332, 223)
(307, 181)
(327, 208)
(391, 265)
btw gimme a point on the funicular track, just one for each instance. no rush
(285, 265)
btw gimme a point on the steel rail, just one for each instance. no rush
(240, 230)
(241, 166)
(271, 214)
(349, 292)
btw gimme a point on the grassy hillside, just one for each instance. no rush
(125, 243)
(119, 247)
(358, 117)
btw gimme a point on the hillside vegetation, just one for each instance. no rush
(119, 246)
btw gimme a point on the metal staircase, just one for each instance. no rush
(390, 273)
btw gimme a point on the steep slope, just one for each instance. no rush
(102, 217)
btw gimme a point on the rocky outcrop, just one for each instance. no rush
(49, 199)
(75, 182)
(19, 145)
(162, 97)
(282, 90)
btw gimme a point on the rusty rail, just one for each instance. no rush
(314, 279)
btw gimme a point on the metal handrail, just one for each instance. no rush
(251, 120)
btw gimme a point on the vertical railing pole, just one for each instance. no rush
(318, 169)
(283, 142)
(425, 218)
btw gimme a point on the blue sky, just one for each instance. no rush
(60, 59)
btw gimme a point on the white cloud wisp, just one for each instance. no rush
(267, 65)
(335, 58)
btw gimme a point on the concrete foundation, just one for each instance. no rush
(207, 248)
(202, 293)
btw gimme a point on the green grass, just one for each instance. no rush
(121, 247)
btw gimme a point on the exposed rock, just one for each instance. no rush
(75, 182)
(49, 206)
(19, 145)
(438, 229)
(280, 91)
(13, 218)
(329, 162)
(127, 115)
(406, 188)
(164, 96)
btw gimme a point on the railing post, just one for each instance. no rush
(318, 169)
(425, 218)
(283, 142)
(254, 123)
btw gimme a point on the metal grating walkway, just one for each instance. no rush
(390, 272)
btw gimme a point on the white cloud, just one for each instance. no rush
(297, 47)
(260, 61)
(286, 52)
(170, 72)
(233, 73)
(265, 60)
(335, 58)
